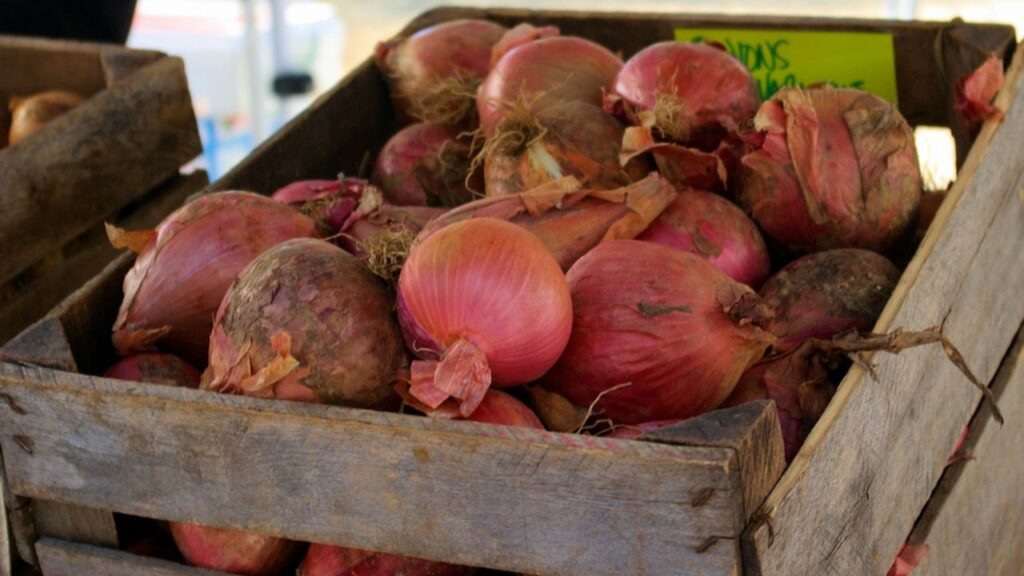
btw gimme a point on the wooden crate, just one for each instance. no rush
(115, 157)
(687, 500)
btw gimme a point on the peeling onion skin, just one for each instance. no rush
(828, 293)
(337, 317)
(155, 368)
(714, 228)
(415, 64)
(232, 551)
(667, 322)
(425, 164)
(837, 169)
(179, 279)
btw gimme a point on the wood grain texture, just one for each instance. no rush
(98, 157)
(29, 297)
(75, 523)
(974, 521)
(851, 495)
(751, 430)
(17, 511)
(61, 558)
(510, 498)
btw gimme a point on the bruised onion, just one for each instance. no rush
(824, 294)
(481, 302)
(434, 73)
(657, 333)
(155, 368)
(233, 551)
(185, 266)
(325, 560)
(710, 226)
(837, 168)
(425, 164)
(306, 321)
(32, 113)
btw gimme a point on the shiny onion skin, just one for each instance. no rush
(481, 302)
(544, 75)
(425, 164)
(306, 321)
(30, 114)
(325, 560)
(155, 368)
(232, 551)
(181, 274)
(837, 168)
(431, 72)
(828, 293)
(714, 228)
(673, 327)
(632, 431)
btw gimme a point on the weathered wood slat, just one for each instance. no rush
(844, 506)
(96, 158)
(75, 523)
(61, 558)
(529, 501)
(974, 521)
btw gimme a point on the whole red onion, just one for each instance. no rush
(540, 77)
(232, 551)
(632, 431)
(657, 333)
(155, 368)
(434, 73)
(306, 321)
(837, 168)
(824, 294)
(710, 226)
(698, 93)
(567, 219)
(425, 165)
(186, 266)
(481, 301)
(325, 560)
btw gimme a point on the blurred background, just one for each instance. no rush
(254, 64)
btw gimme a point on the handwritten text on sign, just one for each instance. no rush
(781, 58)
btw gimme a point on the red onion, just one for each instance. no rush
(518, 35)
(828, 293)
(632, 431)
(233, 552)
(544, 75)
(689, 102)
(496, 408)
(568, 220)
(908, 558)
(155, 368)
(710, 226)
(324, 560)
(332, 204)
(434, 73)
(425, 164)
(481, 302)
(306, 321)
(32, 113)
(186, 265)
(974, 93)
(836, 169)
(779, 379)
(657, 333)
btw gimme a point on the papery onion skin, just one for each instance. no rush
(545, 75)
(325, 560)
(483, 289)
(714, 92)
(30, 114)
(632, 431)
(155, 368)
(179, 279)
(712, 227)
(837, 169)
(310, 301)
(232, 551)
(668, 327)
(828, 293)
(974, 93)
(425, 164)
(417, 68)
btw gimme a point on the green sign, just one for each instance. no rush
(781, 58)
